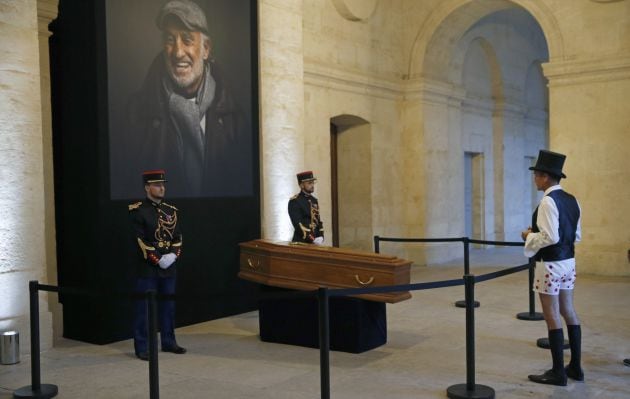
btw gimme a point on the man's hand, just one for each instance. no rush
(525, 233)
(318, 240)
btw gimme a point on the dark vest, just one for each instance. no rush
(568, 215)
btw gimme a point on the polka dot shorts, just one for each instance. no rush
(551, 277)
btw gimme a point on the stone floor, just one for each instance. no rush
(425, 353)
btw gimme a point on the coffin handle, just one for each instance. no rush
(252, 265)
(370, 281)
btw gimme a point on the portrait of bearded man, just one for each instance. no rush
(185, 118)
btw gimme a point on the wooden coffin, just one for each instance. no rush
(308, 267)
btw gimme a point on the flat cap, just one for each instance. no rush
(187, 11)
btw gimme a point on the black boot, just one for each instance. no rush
(574, 369)
(557, 375)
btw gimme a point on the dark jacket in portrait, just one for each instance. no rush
(157, 232)
(304, 214)
(154, 140)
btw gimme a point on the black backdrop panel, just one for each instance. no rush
(95, 246)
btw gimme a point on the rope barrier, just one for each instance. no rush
(323, 296)
(170, 297)
(530, 315)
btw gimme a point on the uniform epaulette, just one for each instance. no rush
(135, 205)
(169, 205)
(295, 196)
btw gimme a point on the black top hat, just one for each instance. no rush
(153, 176)
(305, 176)
(550, 162)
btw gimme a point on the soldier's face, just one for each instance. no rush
(155, 190)
(185, 53)
(308, 186)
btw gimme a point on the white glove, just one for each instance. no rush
(318, 240)
(167, 260)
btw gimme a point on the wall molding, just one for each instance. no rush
(574, 72)
(47, 11)
(356, 82)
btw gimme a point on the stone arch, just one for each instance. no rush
(494, 68)
(346, 120)
(455, 121)
(452, 18)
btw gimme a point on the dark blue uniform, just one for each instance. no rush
(157, 232)
(304, 213)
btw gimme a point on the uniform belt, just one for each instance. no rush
(163, 246)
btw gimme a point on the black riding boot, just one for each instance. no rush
(557, 375)
(574, 369)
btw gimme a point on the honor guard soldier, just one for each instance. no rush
(159, 240)
(304, 212)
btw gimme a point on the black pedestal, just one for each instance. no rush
(44, 391)
(530, 316)
(544, 343)
(356, 325)
(461, 391)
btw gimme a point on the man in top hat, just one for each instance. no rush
(304, 212)
(184, 118)
(156, 227)
(550, 240)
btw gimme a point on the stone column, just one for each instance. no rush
(589, 120)
(22, 209)
(282, 111)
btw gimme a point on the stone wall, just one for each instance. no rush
(384, 66)
(23, 249)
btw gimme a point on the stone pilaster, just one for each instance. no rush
(282, 110)
(47, 11)
(589, 119)
(22, 215)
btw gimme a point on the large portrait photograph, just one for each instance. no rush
(182, 95)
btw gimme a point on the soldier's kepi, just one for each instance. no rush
(304, 212)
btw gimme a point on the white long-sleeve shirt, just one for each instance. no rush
(548, 223)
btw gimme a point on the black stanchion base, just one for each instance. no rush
(544, 343)
(45, 391)
(460, 391)
(462, 304)
(530, 316)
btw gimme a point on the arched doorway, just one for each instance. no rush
(501, 114)
(351, 185)
(484, 114)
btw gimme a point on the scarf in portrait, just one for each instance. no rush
(187, 115)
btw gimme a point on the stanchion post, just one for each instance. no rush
(466, 241)
(470, 389)
(377, 244)
(36, 389)
(469, 284)
(532, 314)
(324, 342)
(154, 382)
(466, 256)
